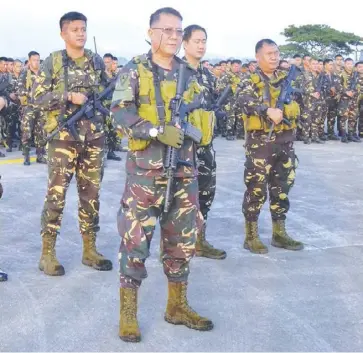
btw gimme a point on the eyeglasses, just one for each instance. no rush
(170, 31)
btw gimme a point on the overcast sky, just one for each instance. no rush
(120, 26)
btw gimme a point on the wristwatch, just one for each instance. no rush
(153, 132)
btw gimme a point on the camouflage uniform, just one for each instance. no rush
(33, 119)
(4, 93)
(312, 116)
(348, 108)
(3, 275)
(143, 198)
(360, 119)
(269, 164)
(233, 122)
(67, 157)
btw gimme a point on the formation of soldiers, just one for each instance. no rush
(170, 109)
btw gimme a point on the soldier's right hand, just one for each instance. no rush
(77, 98)
(172, 136)
(350, 93)
(275, 115)
(316, 95)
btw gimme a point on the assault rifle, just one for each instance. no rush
(285, 95)
(179, 111)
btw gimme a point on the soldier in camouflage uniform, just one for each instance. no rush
(360, 102)
(195, 39)
(3, 275)
(269, 163)
(33, 119)
(144, 81)
(332, 96)
(338, 69)
(348, 104)
(4, 98)
(66, 78)
(111, 135)
(313, 105)
(233, 78)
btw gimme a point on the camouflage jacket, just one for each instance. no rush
(346, 79)
(310, 86)
(5, 83)
(125, 108)
(24, 87)
(86, 75)
(332, 81)
(229, 78)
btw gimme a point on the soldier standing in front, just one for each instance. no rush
(269, 163)
(66, 78)
(141, 107)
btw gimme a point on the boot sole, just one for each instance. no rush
(96, 267)
(132, 339)
(61, 273)
(262, 251)
(191, 326)
(281, 246)
(201, 254)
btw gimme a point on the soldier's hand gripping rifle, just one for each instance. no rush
(285, 96)
(87, 110)
(179, 111)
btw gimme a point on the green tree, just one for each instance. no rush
(319, 40)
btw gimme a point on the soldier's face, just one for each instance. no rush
(268, 57)
(223, 67)
(314, 66)
(320, 66)
(166, 35)
(217, 71)
(17, 67)
(360, 68)
(329, 67)
(284, 65)
(34, 62)
(10, 66)
(298, 61)
(114, 65)
(2, 66)
(306, 61)
(236, 68)
(252, 67)
(196, 46)
(339, 61)
(108, 63)
(74, 33)
(349, 65)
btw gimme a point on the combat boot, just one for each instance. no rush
(93, 258)
(26, 156)
(317, 140)
(2, 154)
(280, 238)
(230, 138)
(307, 141)
(9, 144)
(3, 276)
(129, 328)
(355, 138)
(48, 262)
(178, 311)
(344, 138)
(40, 156)
(252, 241)
(112, 156)
(204, 249)
(333, 137)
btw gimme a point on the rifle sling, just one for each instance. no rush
(160, 107)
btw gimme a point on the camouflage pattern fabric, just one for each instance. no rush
(331, 100)
(141, 206)
(14, 111)
(65, 159)
(32, 124)
(360, 119)
(271, 165)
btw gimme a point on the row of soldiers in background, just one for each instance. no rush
(330, 95)
(19, 118)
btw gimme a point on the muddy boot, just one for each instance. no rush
(48, 262)
(204, 249)
(26, 156)
(129, 328)
(40, 156)
(93, 258)
(252, 240)
(178, 312)
(3, 276)
(280, 238)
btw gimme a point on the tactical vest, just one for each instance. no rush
(235, 80)
(147, 107)
(291, 111)
(59, 64)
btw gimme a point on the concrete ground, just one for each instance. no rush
(282, 301)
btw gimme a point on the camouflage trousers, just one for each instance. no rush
(66, 158)
(348, 112)
(332, 113)
(12, 118)
(312, 120)
(141, 206)
(360, 119)
(33, 122)
(111, 135)
(234, 124)
(273, 166)
(206, 178)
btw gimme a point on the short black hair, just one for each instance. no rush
(10, 60)
(327, 61)
(236, 61)
(358, 63)
(320, 60)
(306, 56)
(70, 17)
(222, 62)
(261, 42)
(348, 59)
(188, 31)
(252, 62)
(31, 53)
(296, 56)
(164, 10)
(283, 61)
(338, 56)
(108, 55)
(18, 61)
(114, 58)
(3, 58)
